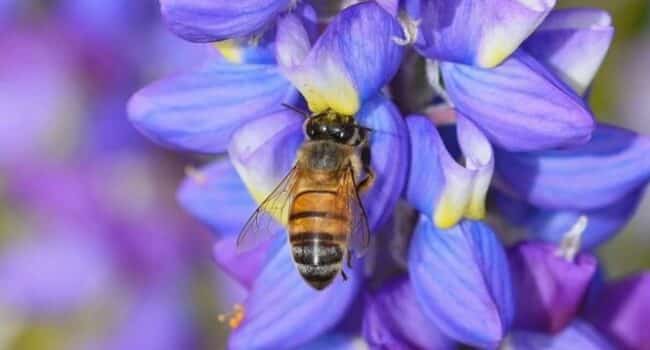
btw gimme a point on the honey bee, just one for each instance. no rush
(318, 201)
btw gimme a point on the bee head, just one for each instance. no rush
(334, 127)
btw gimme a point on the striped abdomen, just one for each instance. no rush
(319, 225)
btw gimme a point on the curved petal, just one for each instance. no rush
(573, 42)
(551, 225)
(205, 193)
(351, 61)
(622, 311)
(280, 309)
(393, 319)
(612, 165)
(461, 279)
(264, 150)
(199, 111)
(292, 41)
(480, 33)
(549, 288)
(437, 185)
(578, 335)
(519, 105)
(389, 157)
(208, 21)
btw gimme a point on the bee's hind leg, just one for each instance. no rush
(345, 277)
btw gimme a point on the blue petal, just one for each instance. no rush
(573, 42)
(264, 150)
(440, 187)
(578, 335)
(280, 309)
(480, 33)
(389, 157)
(206, 191)
(353, 59)
(207, 21)
(292, 41)
(200, 110)
(612, 165)
(551, 225)
(242, 51)
(519, 105)
(461, 278)
(393, 319)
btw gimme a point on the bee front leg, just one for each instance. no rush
(369, 180)
(349, 259)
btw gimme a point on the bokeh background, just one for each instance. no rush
(94, 250)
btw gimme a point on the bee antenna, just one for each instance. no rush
(365, 128)
(296, 109)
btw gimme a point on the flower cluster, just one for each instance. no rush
(505, 112)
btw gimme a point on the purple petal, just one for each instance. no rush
(353, 59)
(199, 111)
(461, 279)
(573, 43)
(206, 191)
(549, 288)
(280, 309)
(389, 157)
(612, 165)
(440, 187)
(519, 105)
(622, 311)
(393, 319)
(215, 20)
(481, 33)
(578, 335)
(551, 225)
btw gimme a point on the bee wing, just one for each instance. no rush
(360, 235)
(269, 217)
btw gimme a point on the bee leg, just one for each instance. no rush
(349, 259)
(345, 277)
(367, 182)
